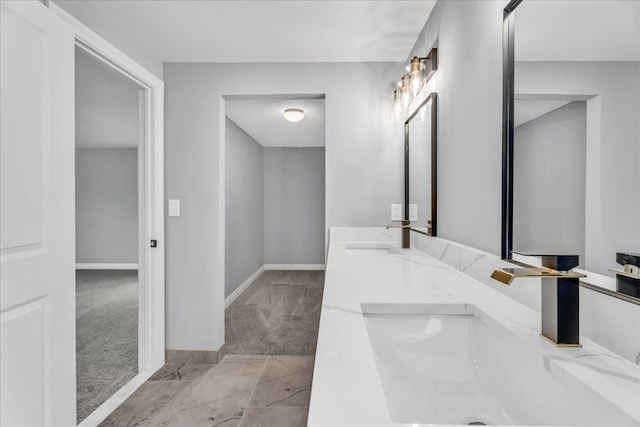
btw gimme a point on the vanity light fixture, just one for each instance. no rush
(406, 96)
(294, 115)
(416, 71)
(420, 71)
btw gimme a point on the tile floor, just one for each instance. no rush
(278, 314)
(242, 391)
(265, 378)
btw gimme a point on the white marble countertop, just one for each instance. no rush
(346, 387)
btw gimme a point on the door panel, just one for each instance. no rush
(18, 385)
(37, 292)
(23, 120)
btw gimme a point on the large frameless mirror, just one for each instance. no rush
(571, 146)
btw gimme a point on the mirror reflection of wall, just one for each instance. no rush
(577, 129)
(549, 209)
(419, 128)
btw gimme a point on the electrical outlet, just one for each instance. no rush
(396, 212)
(413, 212)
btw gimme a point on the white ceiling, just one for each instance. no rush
(570, 30)
(106, 105)
(262, 119)
(259, 30)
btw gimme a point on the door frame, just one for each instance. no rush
(151, 319)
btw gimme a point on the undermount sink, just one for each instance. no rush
(370, 249)
(454, 364)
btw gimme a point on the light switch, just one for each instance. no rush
(413, 212)
(396, 212)
(174, 207)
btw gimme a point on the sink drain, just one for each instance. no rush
(476, 423)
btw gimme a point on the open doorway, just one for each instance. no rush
(109, 202)
(274, 224)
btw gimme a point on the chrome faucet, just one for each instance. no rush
(560, 295)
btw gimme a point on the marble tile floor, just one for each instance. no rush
(278, 314)
(241, 391)
(265, 377)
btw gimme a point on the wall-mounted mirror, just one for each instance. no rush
(571, 161)
(420, 174)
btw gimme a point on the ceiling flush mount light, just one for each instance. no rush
(294, 115)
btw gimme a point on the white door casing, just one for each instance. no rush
(37, 235)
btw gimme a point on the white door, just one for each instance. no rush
(37, 289)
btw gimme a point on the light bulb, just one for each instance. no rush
(405, 92)
(417, 83)
(406, 99)
(416, 72)
(398, 110)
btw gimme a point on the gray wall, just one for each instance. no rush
(294, 205)
(549, 182)
(612, 214)
(274, 206)
(106, 205)
(363, 158)
(468, 35)
(244, 196)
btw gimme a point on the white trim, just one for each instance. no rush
(106, 266)
(151, 340)
(103, 411)
(243, 287)
(103, 49)
(219, 261)
(251, 279)
(294, 266)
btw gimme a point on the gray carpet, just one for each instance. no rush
(278, 314)
(106, 335)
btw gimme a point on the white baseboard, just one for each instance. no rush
(243, 287)
(108, 406)
(294, 266)
(106, 266)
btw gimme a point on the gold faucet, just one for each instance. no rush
(560, 309)
(508, 275)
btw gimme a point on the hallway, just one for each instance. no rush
(277, 315)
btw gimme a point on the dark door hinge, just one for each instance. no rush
(154, 243)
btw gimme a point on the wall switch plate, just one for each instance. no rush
(413, 212)
(396, 212)
(174, 207)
